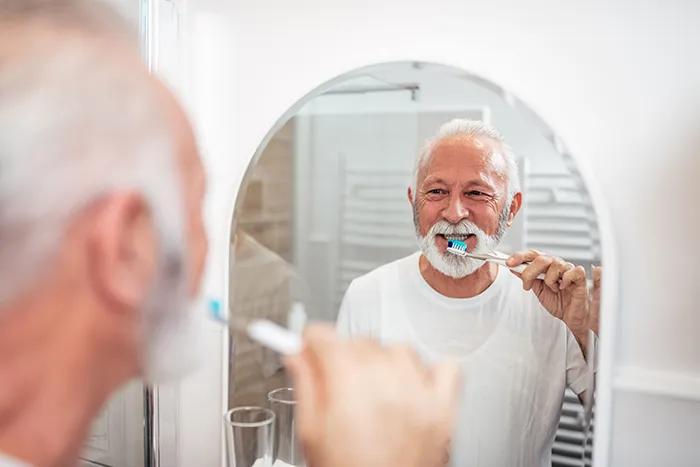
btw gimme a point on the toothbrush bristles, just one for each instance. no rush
(456, 247)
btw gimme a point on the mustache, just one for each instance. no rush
(464, 227)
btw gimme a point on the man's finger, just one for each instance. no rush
(574, 276)
(555, 272)
(319, 333)
(322, 344)
(539, 265)
(447, 383)
(407, 356)
(522, 256)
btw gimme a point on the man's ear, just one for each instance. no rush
(409, 192)
(122, 251)
(515, 206)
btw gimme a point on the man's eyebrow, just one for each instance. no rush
(434, 181)
(470, 183)
(480, 183)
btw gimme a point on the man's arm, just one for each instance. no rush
(564, 291)
(582, 398)
(593, 314)
(576, 367)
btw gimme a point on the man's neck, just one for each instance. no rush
(466, 287)
(53, 384)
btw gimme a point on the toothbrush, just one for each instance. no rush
(459, 248)
(275, 337)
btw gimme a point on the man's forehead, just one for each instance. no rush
(466, 151)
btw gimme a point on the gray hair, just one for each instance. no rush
(94, 17)
(76, 124)
(478, 130)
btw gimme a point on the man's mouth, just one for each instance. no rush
(460, 237)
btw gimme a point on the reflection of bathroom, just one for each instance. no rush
(262, 248)
(326, 202)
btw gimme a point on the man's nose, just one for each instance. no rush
(455, 211)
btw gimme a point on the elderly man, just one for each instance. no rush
(520, 340)
(103, 246)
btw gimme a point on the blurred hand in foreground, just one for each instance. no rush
(361, 404)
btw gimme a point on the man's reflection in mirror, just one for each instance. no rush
(520, 340)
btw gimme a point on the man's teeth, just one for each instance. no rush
(457, 237)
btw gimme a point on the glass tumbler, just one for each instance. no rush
(250, 437)
(287, 448)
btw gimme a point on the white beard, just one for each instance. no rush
(175, 349)
(452, 265)
(449, 264)
(172, 335)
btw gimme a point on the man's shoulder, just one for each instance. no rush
(377, 278)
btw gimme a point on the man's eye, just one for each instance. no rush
(475, 193)
(437, 191)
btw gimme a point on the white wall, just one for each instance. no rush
(617, 80)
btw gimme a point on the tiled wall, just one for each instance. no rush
(262, 280)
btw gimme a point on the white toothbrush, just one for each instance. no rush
(275, 337)
(459, 248)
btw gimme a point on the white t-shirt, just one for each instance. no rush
(517, 359)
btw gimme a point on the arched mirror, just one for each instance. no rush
(346, 215)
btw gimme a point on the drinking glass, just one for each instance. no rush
(250, 437)
(287, 449)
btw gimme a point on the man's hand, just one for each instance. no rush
(360, 404)
(563, 292)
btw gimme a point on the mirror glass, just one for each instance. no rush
(345, 216)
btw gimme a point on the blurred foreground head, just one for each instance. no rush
(102, 243)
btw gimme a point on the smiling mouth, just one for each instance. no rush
(460, 237)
